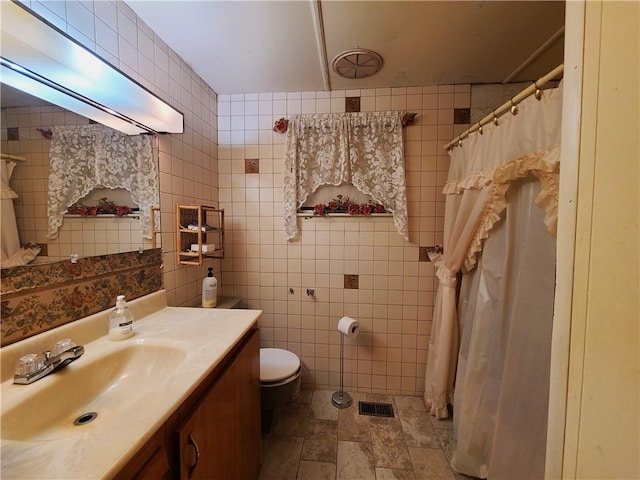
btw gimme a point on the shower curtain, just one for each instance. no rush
(497, 354)
(10, 240)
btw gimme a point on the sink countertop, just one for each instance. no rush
(100, 450)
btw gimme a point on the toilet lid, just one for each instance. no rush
(277, 364)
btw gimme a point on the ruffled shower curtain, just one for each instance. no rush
(85, 157)
(9, 234)
(482, 178)
(364, 149)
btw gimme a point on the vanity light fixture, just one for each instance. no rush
(43, 61)
(21, 79)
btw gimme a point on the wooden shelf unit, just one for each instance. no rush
(200, 215)
(155, 227)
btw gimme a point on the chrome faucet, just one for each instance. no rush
(33, 367)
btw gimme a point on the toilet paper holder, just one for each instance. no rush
(347, 327)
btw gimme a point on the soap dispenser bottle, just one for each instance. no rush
(120, 320)
(209, 290)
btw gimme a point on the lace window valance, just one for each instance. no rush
(363, 149)
(94, 156)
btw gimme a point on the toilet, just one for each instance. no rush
(280, 372)
(280, 376)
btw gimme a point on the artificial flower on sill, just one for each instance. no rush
(342, 204)
(104, 206)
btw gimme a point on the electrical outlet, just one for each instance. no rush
(351, 281)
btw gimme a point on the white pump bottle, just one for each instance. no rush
(209, 290)
(120, 320)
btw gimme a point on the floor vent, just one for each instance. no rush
(375, 409)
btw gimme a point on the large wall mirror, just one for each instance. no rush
(27, 124)
(32, 45)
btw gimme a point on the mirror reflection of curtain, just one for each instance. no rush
(363, 149)
(10, 240)
(93, 156)
(511, 300)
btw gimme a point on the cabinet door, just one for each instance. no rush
(221, 439)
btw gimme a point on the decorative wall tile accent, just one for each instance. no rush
(352, 104)
(351, 281)
(252, 165)
(461, 116)
(41, 297)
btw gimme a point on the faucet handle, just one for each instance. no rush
(63, 346)
(30, 363)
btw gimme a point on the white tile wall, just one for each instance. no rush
(394, 301)
(206, 163)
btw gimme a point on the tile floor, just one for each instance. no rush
(312, 440)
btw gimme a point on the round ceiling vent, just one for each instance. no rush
(357, 63)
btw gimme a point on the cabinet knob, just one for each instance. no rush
(196, 450)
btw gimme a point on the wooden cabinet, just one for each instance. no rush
(200, 233)
(150, 463)
(215, 434)
(221, 439)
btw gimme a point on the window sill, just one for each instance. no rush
(102, 215)
(311, 215)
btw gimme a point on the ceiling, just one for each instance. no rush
(285, 46)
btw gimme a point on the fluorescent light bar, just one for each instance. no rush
(22, 81)
(33, 49)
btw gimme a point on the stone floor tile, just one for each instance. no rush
(447, 442)
(310, 470)
(313, 440)
(418, 431)
(352, 426)
(321, 441)
(292, 420)
(321, 406)
(380, 398)
(394, 474)
(387, 440)
(282, 458)
(404, 402)
(355, 461)
(430, 464)
(462, 476)
(441, 423)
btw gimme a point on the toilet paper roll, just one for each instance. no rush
(348, 326)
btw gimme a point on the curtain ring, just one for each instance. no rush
(480, 130)
(495, 119)
(460, 142)
(514, 108)
(538, 93)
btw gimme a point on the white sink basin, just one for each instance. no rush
(133, 385)
(103, 385)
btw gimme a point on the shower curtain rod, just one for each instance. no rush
(507, 106)
(6, 156)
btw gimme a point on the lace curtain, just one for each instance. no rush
(94, 156)
(363, 149)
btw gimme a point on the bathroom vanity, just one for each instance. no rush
(213, 434)
(180, 399)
